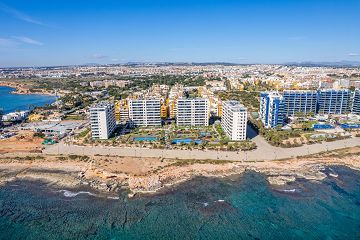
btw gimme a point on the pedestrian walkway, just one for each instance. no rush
(264, 151)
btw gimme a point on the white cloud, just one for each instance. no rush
(19, 15)
(353, 54)
(28, 40)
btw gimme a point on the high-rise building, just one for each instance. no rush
(122, 111)
(144, 112)
(356, 102)
(272, 109)
(299, 101)
(164, 111)
(331, 101)
(192, 112)
(234, 120)
(102, 119)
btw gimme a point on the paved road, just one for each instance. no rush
(264, 151)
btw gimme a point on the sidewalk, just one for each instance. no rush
(264, 152)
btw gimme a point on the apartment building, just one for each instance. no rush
(102, 119)
(356, 102)
(234, 120)
(122, 111)
(145, 112)
(192, 112)
(332, 101)
(272, 111)
(297, 101)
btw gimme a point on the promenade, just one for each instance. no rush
(264, 152)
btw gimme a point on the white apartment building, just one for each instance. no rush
(144, 112)
(102, 119)
(234, 120)
(192, 112)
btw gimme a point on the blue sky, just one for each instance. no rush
(62, 32)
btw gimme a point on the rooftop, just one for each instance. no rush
(235, 106)
(101, 105)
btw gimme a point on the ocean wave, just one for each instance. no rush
(114, 198)
(71, 194)
(289, 190)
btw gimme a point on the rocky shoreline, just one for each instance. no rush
(21, 89)
(72, 173)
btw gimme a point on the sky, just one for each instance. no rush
(70, 32)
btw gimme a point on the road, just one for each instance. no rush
(264, 152)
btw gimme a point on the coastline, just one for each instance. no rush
(22, 89)
(149, 175)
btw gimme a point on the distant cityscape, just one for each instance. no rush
(127, 103)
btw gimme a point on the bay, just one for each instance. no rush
(12, 102)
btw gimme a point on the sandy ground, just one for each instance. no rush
(24, 141)
(264, 151)
(110, 173)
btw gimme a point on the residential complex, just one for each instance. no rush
(356, 102)
(333, 101)
(234, 120)
(122, 111)
(296, 101)
(272, 111)
(102, 119)
(144, 112)
(192, 112)
(304, 102)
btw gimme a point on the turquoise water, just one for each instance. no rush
(149, 139)
(240, 207)
(186, 141)
(12, 102)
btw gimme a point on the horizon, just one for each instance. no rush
(280, 32)
(343, 63)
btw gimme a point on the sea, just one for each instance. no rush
(12, 102)
(236, 207)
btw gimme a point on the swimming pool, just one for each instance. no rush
(145, 139)
(186, 141)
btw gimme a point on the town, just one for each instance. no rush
(218, 107)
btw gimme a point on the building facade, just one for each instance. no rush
(355, 108)
(192, 112)
(144, 112)
(102, 119)
(300, 102)
(234, 120)
(122, 111)
(332, 101)
(272, 111)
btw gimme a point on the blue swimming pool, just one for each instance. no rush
(350, 126)
(323, 126)
(145, 139)
(185, 141)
